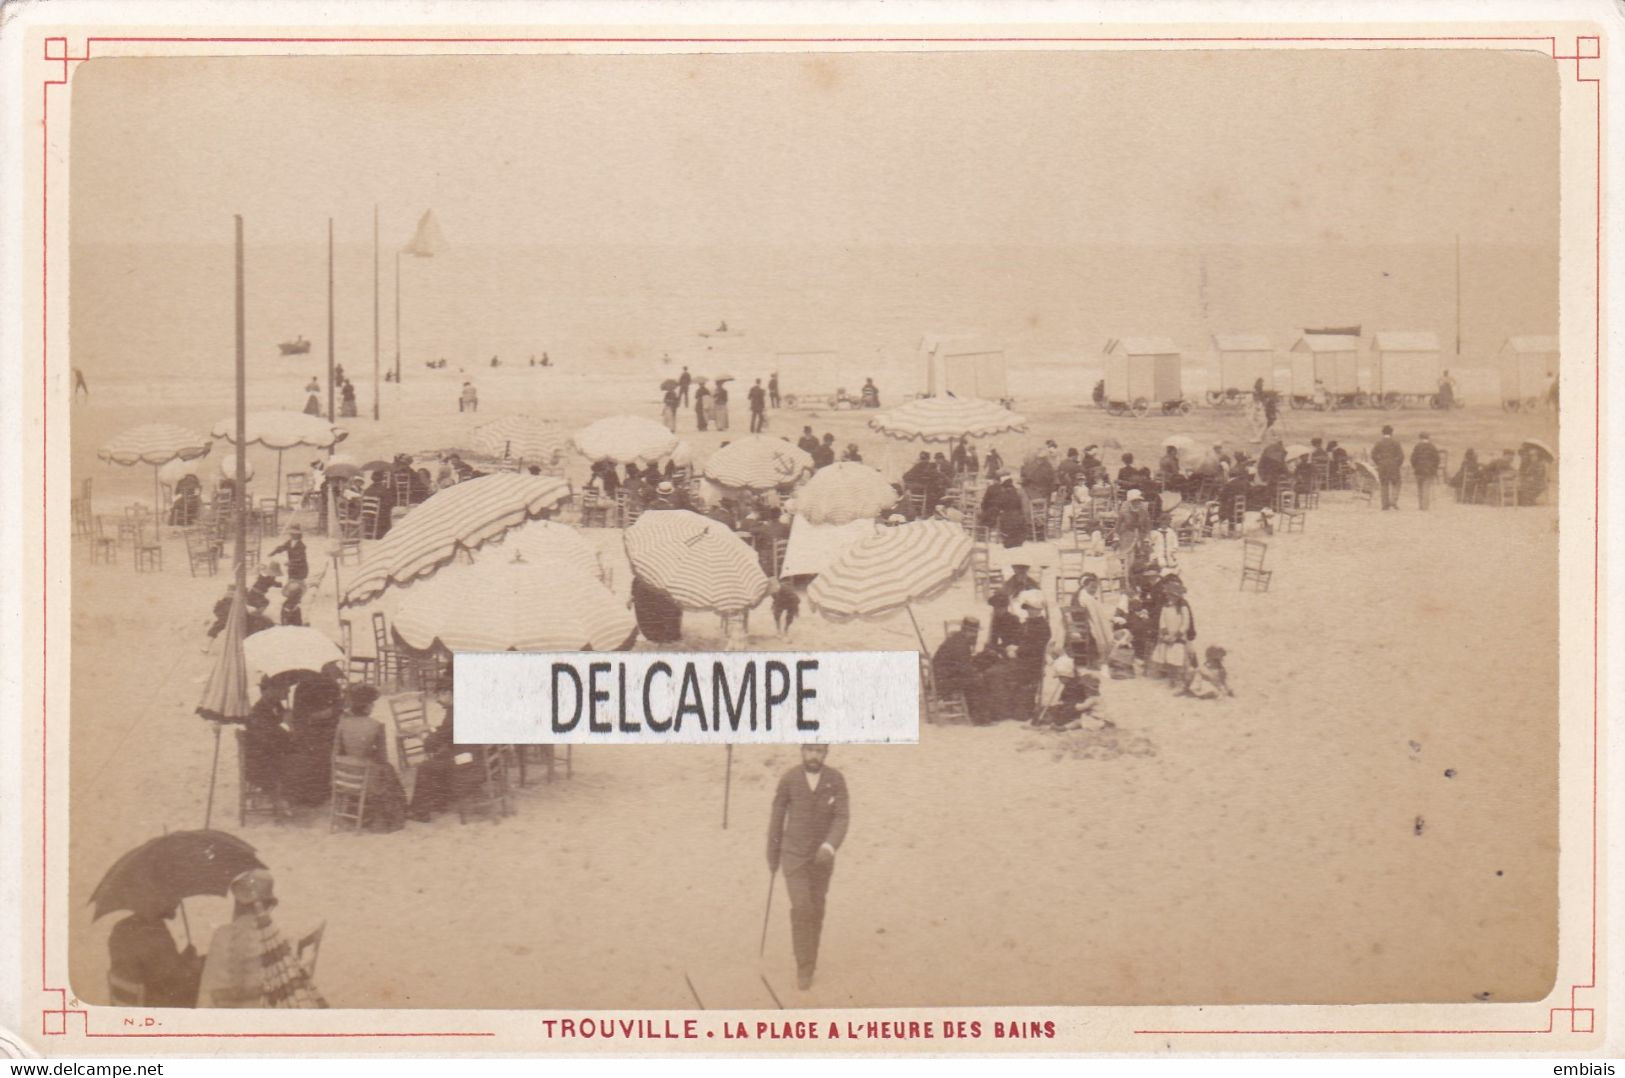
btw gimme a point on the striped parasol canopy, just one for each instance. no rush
(457, 518)
(155, 443)
(947, 418)
(625, 439)
(891, 570)
(513, 605)
(844, 492)
(225, 697)
(698, 561)
(758, 462)
(288, 647)
(545, 541)
(281, 430)
(523, 438)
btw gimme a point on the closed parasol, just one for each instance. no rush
(891, 570)
(514, 605)
(945, 419)
(157, 444)
(844, 492)
(156, 875)
(522, 438)
(457, 518)
(625, 439)
(288, 647)
(758, 462)
(700, 562)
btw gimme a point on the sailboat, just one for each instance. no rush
(296, 347)
(722, 330)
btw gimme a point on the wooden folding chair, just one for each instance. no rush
(490, 794)
(310, 944)
(251, 800)
(149, 553)
(296, 491)
(387, 658)
(1252, 566)
(349, 794)
(1505, 491)
(370, 508)
(411, 729)
(106, 546)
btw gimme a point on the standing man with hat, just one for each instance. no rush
(758, 407)
(811, 811)
(1388, 456)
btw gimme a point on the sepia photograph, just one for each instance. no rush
(1194, 416)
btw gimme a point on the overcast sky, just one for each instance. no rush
(1005, 148)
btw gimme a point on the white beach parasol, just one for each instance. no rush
(758, 462)
(457, 518)
(277, 650)
(844, 492)
(625, 439)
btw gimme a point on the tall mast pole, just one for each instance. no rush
(397, 318)
(239, 495)
(375, 353)
(331, 414)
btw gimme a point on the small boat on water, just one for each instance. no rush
(722, 331)
(296, 347)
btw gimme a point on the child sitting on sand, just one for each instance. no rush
(1210, 680)
(291, 596)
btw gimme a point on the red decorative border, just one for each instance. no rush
(54, 1021)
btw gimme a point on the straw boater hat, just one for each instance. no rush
(969, 623)
(1032, 599)
(1064, 667)
(665, 487)
(1134, 495)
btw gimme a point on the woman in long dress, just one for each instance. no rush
(249, 964)
(360, 739)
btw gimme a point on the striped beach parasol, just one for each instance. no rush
(522, 438)
(157, 444)
(758, 462)
(844, 492)
(281, 431)
(457, 518)
(891, 570)
(945, 419)
(625, 439)
(514, 605)
(698, 561)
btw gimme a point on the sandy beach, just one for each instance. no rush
(1402, 668)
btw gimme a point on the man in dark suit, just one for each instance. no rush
(1389, 458)
(810, 816)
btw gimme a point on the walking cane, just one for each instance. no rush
(766, 913)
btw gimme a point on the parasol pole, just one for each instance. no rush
(214, 772)
(727, 786)
(330, 387)
(186, 922)
(924, 649)
(157, 504)
(375, 373)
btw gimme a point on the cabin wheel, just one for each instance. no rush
(1214, 397)
(1184, 407)
(1141, 407)
(1532, 404)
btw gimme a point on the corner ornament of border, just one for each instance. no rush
(58, 51)
(1586, 57)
